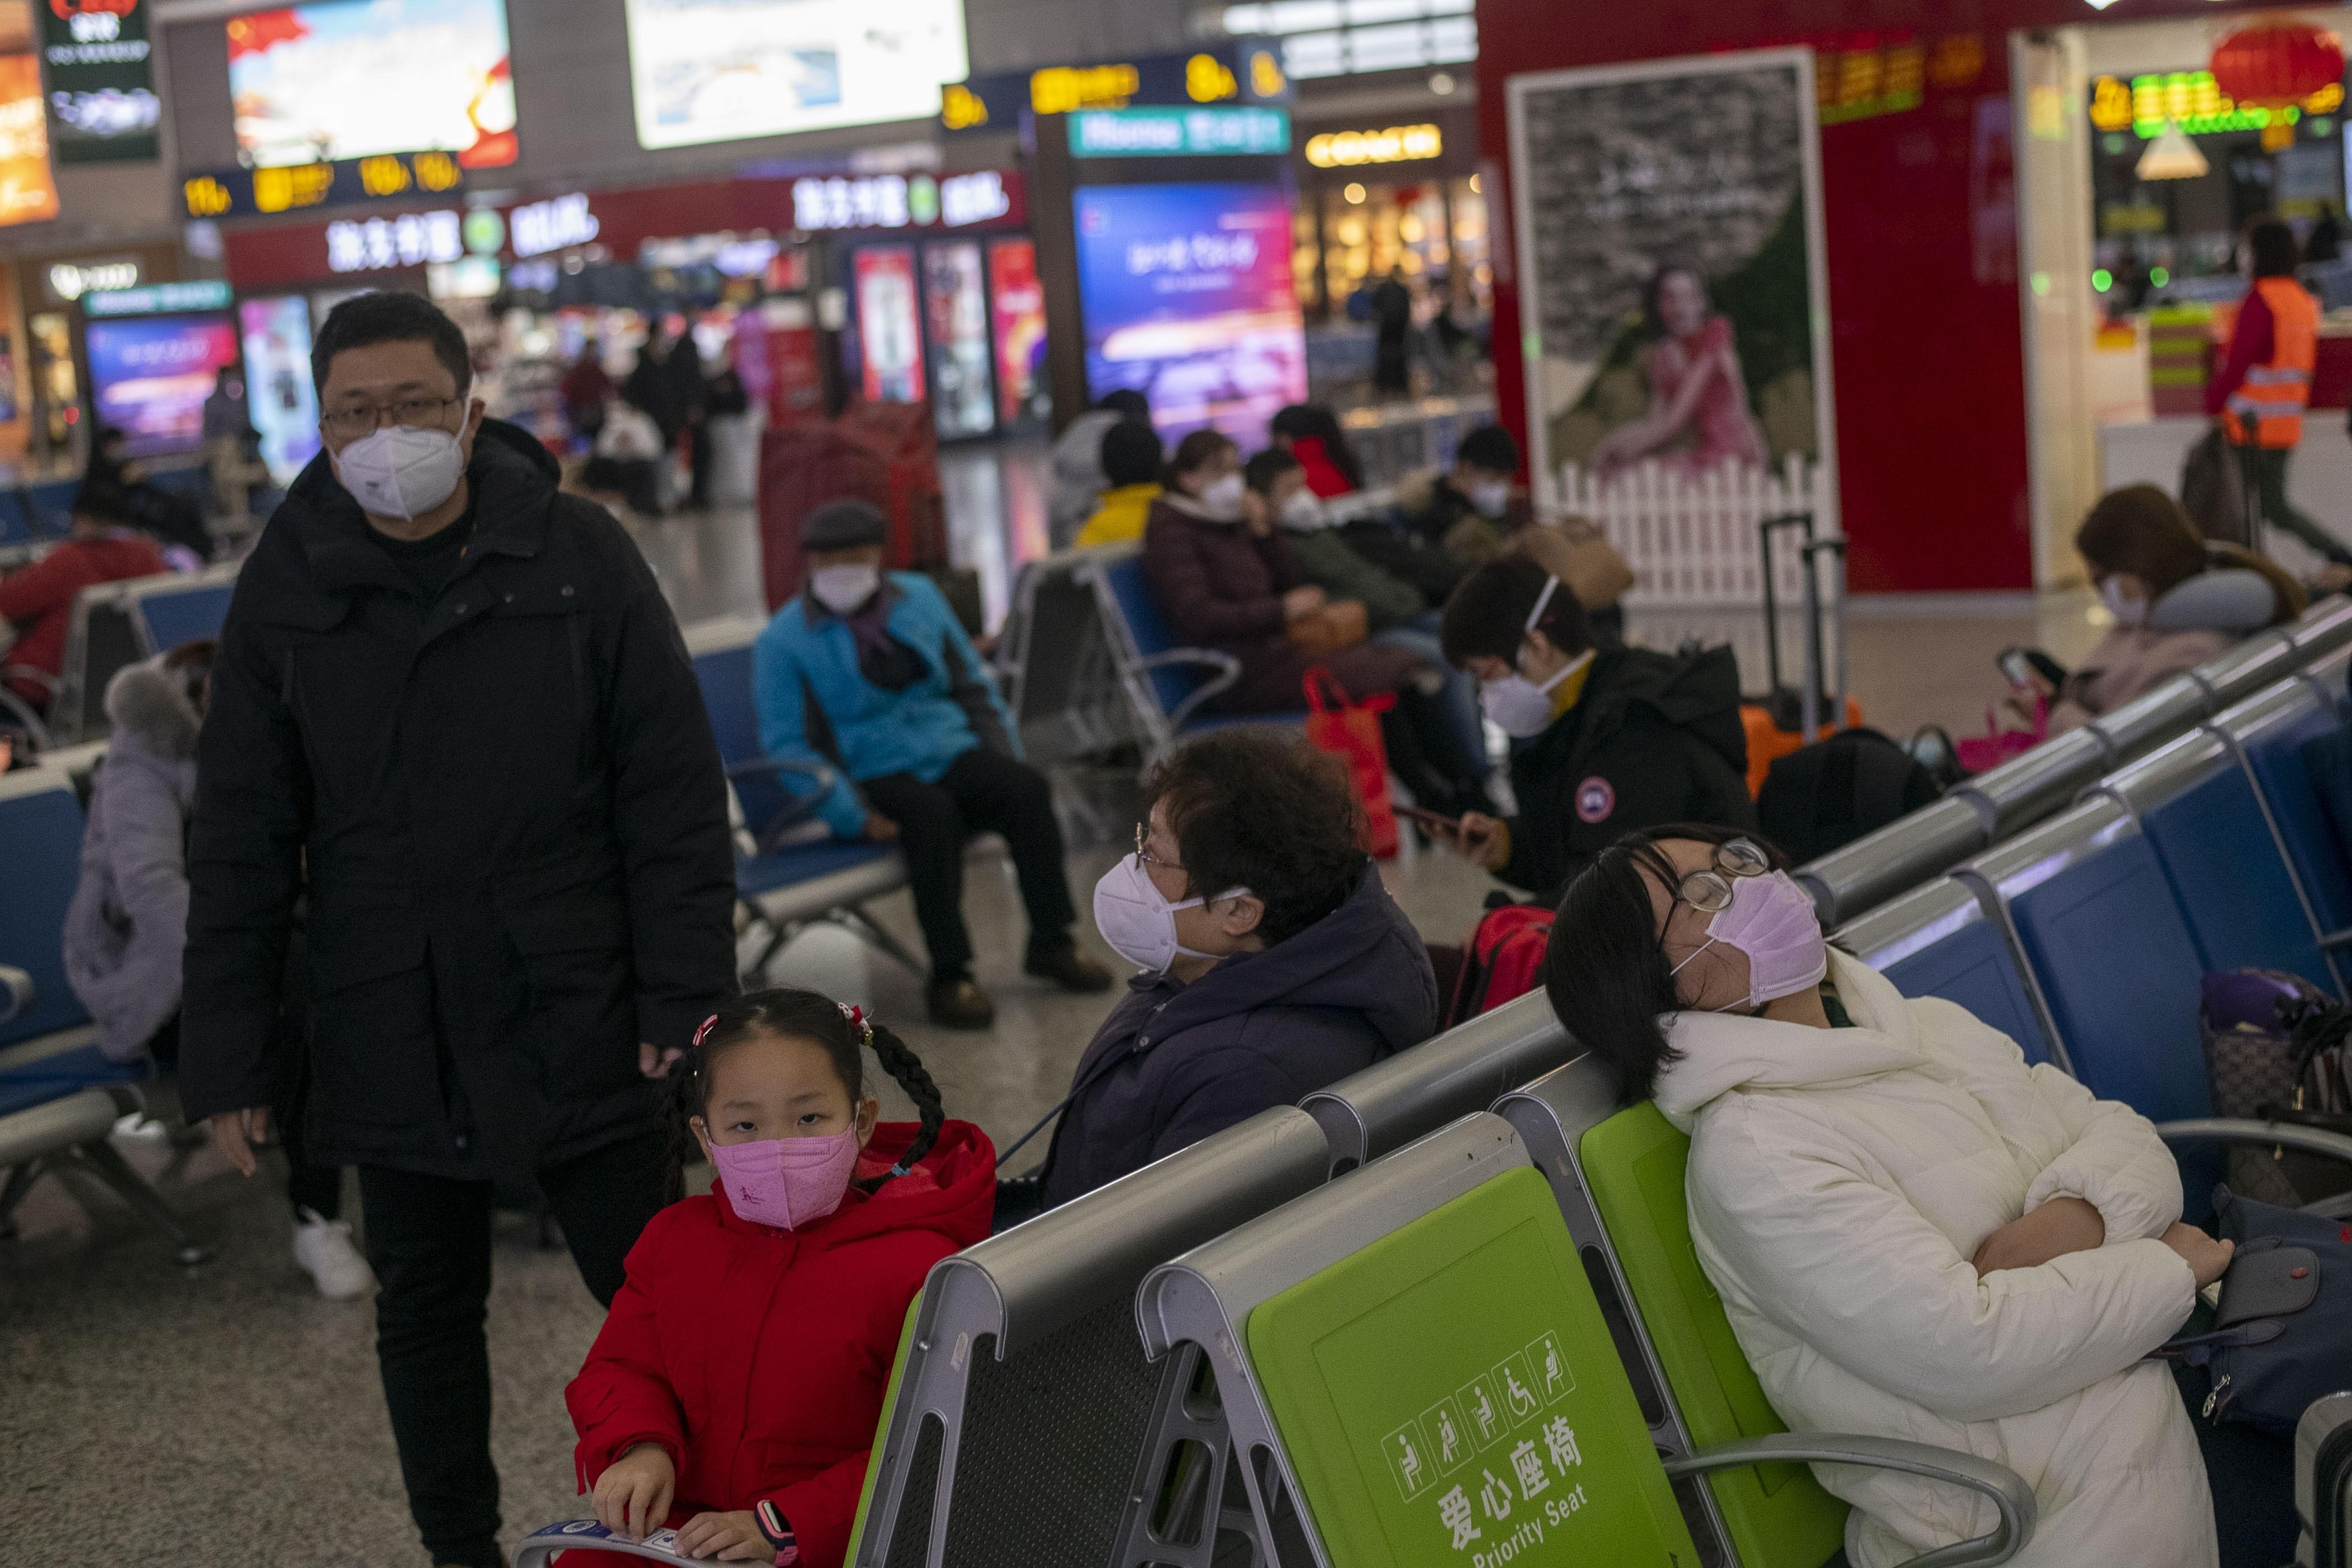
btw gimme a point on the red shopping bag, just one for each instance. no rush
(1351, 730)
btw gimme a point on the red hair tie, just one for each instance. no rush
(703, 1033)
(856, 1017)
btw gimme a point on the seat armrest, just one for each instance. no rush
(1228, 669)
(2004, 1486)
(2278, 1135)
(16, 992)
(769, 834)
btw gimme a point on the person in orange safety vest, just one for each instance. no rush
(2264, 381)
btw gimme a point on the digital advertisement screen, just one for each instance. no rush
(351, 79)
(150, 375)
(102, 102)
(28, 193)
(718, 71)
(1018, 312)
(889, 330)
(1187, 295)
(279, 398)
(956, 304)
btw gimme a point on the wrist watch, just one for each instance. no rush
(777, 1531)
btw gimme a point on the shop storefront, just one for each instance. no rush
(790, 278)
(1965, 223)
(64, 294)
(1381, 192)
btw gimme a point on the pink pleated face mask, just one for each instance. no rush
(1772, 920)
(787, 1182)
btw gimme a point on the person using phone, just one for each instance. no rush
(2175, 601)
(1605, 740)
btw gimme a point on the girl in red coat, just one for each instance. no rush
(736, 1386)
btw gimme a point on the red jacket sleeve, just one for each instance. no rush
(622, 1397)
(1179, 580)
(2250, 345)
(822, 1509)
(48, 584)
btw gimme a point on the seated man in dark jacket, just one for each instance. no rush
(1605, 741)
(1273, 960)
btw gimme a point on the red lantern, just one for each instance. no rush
(2277, 64)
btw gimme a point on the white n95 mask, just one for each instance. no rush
(1223, 497)
(1520, 707)
(1138, 922)
(1302, 514)
(841, 589)
(401, 472)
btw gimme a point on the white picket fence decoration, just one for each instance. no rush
(1691, 539)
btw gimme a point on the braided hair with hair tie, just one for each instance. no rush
(836, 1026)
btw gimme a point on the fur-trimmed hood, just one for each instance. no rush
(145, 703)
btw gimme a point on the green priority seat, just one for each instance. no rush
(1414, 1353)
(1618, 1178)
(1776, 1515)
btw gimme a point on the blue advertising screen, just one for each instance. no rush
(1187, 295)
(150, 375)
(277, 395)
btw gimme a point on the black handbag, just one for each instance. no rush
(2282, 1335)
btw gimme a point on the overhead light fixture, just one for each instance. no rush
(2100, 4)
(2172, 156)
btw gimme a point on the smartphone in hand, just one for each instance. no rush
(1431, 822)
(2031, 669)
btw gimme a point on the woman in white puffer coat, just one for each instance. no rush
(1916, 1235)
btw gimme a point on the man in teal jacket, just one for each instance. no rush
(915, 718)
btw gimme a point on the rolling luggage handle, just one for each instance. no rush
(1808, 551)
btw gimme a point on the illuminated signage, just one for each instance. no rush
(900, 201)
(1064, 89)
(1179, 132)
(2196, 101)
(158, 298)
(556, 225)
(387, 176)
(411, 239)
(1224, 72)
(68, 282)
(102, 102)
(1397, 144)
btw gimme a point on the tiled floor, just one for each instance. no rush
(227, 1414)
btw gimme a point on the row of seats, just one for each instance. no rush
(119, 624)
(1269, 1335)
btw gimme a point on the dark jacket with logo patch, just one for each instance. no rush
(507, 811)
(1174, 1063)
(1655, 738)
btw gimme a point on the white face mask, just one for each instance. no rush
(841, 589)
(401, 472)
(1138, 923)
(2127, 612)
(1492, 499)
(1303, 513)
(1223, 497)
(1520, 707)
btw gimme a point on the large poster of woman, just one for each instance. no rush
(1673, 287)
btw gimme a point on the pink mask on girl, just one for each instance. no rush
(1772, 920)
(786, 1181)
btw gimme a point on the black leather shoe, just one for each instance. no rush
(1068, 968)
(958, 1002)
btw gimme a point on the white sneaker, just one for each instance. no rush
(323, 1247)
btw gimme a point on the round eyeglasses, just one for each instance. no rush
(1710, 892)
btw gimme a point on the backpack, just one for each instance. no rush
(2282, 1337)
(1824, 796)
(1503, 959)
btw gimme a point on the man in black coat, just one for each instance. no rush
(451, 707)
(1606, 741)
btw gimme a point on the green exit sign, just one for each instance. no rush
(1237, 131)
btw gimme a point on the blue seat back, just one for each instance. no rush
(1148, 633)
(40, 845)
(16, 528)
(2096, 921)
(725, 675)
(1939, 941)
(2276, 751)
(183, 610)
